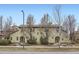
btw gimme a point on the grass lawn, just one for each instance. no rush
(15, 49)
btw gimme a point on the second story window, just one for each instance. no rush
(62, 38)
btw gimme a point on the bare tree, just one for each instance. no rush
(57, 14)
(69, 24)
(8, 23)
(72, 23)
(44, 20)
(30, 23)
(45, 23)
(65, 25)
(7, 26)
(58, 19)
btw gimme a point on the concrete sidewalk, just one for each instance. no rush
(41, 46)
(6, 52)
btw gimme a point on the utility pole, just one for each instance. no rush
(23, 28)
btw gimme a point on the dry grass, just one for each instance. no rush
(15, 49)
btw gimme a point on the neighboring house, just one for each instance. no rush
(38, 32)
(2, 35)
(6, 34)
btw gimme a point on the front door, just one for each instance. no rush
(22, 39)
(57, 39)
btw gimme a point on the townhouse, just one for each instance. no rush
(37, 32)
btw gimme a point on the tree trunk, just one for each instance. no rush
(30, 33)
(46, 30)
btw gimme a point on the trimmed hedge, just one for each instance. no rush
(32, 41)
(44, 41)
(5, 42)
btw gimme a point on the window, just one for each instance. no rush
(52, 37)
(11, 38)
(57, 39)
(22, 39)
(7, 38)
(41, 33)
(17, 38)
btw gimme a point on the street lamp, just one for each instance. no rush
(23, 28)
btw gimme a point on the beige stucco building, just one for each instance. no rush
(37, 32)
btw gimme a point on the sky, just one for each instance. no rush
(37, 10)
